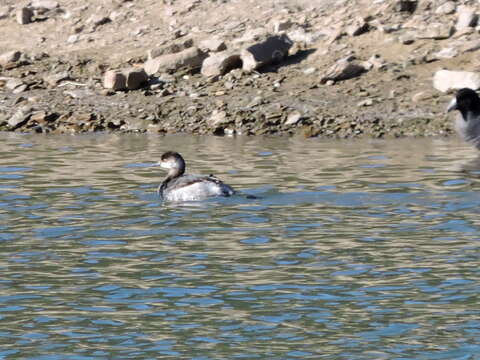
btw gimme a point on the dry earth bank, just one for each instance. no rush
(329, 68)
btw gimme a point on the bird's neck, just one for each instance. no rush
(470, 115)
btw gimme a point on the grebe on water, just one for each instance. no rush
(179, 186)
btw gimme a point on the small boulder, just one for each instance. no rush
(24, 16)
(135, 78)
(220, 63)
(20, 117)
(272, 49)
(466, 17)
(191, 57)
(445, 80)
(358, 27)
(343, 69)
(115, 80)
(212, 45)
(10, 57)
(293, 118)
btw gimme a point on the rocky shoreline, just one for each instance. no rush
(344, 69)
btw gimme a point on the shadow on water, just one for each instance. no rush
(351, 250)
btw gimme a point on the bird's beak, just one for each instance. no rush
(452, 105)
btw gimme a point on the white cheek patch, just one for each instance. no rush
(167, 164)
(452, 105)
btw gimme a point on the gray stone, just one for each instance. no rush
(272, 49)
(191, 58)
(212, 45)
(358, 27)
(24, 15)
(20, 89)
(447, 8)
(466, 17)
(343, 69)
(115, 80)
(445, 80)
(135, 78)
(437, 31)
(97, 20)
(389, 28)
(293, 118)
(407, 38)
(10, 57)
(172, 48)
(20, 117)
(54, 79)
(220, 63)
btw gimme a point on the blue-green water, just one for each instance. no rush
(353, 250)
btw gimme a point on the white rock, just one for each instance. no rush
(447, 53)
(20, 117)
(13, 83)
(9, 57)
(293, 118)
(301, 36)
(44, 4)
(466, 17)
(445, 80)
(220, 63)
(72, 39)
(310, 70)
(446, 8)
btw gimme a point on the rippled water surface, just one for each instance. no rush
(352, 250)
